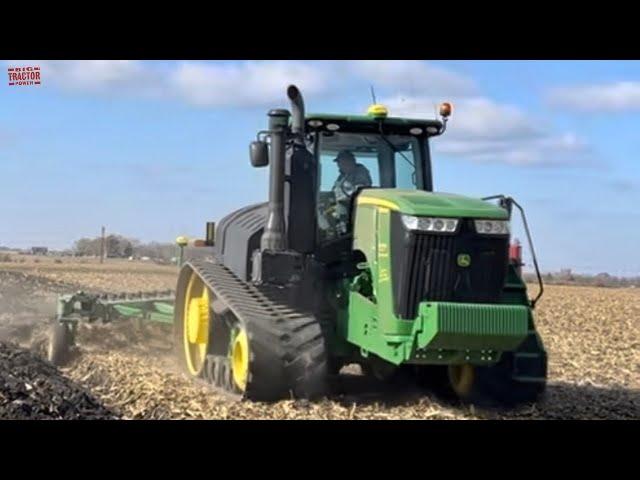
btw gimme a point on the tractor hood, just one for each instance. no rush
(419, 202)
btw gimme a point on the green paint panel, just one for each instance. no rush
(163, 315)
(161, 318)
(127, 311)
(471, 326)
(419, 202)
(442, 332)
(165, 308)
(364, 330)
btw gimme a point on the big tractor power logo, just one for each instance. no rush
(23, 76)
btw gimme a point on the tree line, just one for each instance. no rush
(118, 246)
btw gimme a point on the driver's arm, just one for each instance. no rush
(362, 178)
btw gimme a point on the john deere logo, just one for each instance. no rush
(464, 260)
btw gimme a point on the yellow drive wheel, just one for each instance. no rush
(240, 359)
(195, 324)
(462, 379)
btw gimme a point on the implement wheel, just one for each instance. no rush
(59, 343)
(192, 322)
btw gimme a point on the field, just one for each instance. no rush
(592, 336)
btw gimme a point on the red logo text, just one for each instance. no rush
(24, 76)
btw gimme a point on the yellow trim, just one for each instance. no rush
(378, 202)
(195, 322)
(383, 275)
(240, 360)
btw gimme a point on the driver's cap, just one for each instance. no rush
(344, 155)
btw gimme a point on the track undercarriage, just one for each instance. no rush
(245, 339)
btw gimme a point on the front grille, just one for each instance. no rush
(425, 267)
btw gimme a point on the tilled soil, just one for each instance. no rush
(32, 388)
(592, 336)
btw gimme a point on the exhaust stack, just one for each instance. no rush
(274, 235)
(297, 108)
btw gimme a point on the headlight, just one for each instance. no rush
(492, 227)
(430, 224)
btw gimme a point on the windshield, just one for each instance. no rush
(352, 160)
(388, 168)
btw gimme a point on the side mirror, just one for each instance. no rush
(259, 152)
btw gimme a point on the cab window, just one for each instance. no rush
(389, 162)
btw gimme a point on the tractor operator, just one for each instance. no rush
(352, 175)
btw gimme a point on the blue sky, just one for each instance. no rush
(154, 149)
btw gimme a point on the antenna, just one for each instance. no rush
(373, 95)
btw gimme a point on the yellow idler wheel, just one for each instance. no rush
(462, 379)
(240, 359)
(195, 324)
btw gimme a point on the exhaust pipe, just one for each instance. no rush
(273, 237)
(297, 109)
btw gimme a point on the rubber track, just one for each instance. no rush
(288, 353)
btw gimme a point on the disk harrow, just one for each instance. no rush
(81, 306)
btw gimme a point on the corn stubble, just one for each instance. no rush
(592, 336)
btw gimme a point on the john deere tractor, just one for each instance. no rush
(375, 269)
(395, 278)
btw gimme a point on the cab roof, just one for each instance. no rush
(369, 124)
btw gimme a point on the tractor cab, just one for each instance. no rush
(372, 151)
(312, 192)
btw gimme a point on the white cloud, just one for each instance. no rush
(611, 97)
(482, 130)
(474, 117)
(264, 82)
(94, 75)
(245, 84)
(248, 83)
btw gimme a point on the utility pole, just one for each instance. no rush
(102, 245)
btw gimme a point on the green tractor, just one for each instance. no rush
(387, 274)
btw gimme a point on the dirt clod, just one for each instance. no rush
(32, 388)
